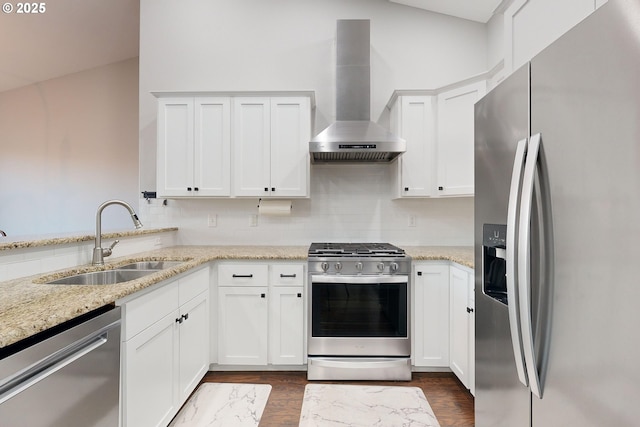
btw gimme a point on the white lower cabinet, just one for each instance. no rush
(443, 319)
(286, 325)
(260, 314)
(431, 315)
(165, 352)
(462, 325)
(242, 325)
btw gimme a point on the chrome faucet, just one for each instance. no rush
(98, 252)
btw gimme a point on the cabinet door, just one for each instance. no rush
(290, 135)
(175, 147)
(212, 162)
(529, 26)
(459, 280)
(286, 325)
(455, 149)
(472, 333)
(431, 315)
(251, 146)
(242, 325)
(151, 366)
(416, 124)
(194, 343)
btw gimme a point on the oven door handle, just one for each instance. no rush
(358, 280)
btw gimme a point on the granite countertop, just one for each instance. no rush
(28, 305)
(9, 243)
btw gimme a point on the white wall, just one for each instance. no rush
(245, 45)
(68, 144)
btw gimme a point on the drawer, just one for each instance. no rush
(243, 274)
(144, 311)
(287, 275)
(193, 285)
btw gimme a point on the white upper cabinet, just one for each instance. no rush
(532, 25)
(413, 118)
(270, 146)
(193, 147)
(456, 138)
(438, 128)
(236, 145)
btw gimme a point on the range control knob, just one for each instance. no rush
(359, 266)
(393, 267)
(324, 266)
(381, 266)
(338, 266)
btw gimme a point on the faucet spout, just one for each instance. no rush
(99, 253)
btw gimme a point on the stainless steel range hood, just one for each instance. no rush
(354, 137)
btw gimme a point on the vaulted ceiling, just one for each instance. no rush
(75, 35)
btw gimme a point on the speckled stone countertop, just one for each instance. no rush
(9, 243)
(29, 305)
(462, 255)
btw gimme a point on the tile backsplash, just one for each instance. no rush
(347, 203)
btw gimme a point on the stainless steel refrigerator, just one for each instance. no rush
(557, 232)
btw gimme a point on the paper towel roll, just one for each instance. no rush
(274, 207)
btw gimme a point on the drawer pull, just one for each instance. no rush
(245, 276)
(263, 295)
(299, 295)
(288, 275)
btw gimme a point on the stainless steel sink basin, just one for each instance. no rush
(107, 277)
(150, 265)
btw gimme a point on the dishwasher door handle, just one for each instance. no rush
(49, 365)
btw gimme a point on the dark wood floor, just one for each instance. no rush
(450, 401)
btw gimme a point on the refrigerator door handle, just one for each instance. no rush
(512, 280)
(524, 264)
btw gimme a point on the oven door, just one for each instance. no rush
(359, 316)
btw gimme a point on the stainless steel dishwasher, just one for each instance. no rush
(70, 377)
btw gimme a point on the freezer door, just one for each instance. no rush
(585, 102)
(501, 121)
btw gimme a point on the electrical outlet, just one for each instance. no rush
(212, 220)
(253, 222)
(412, 220)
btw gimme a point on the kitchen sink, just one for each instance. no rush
(150, 265)
(107, 277)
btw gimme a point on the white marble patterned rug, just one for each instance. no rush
(224, 405)
(330, 405)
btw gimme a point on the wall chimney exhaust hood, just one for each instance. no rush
(354, 137)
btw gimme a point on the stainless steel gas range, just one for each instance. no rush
(359, 312)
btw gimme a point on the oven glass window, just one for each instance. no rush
(357, 310)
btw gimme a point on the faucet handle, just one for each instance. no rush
(109, 250)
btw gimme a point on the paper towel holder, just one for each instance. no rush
(276, 207)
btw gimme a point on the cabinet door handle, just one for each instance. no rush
(419, 273)
(406, 188)
(188, 188)
(440, 188)
(299, 295)
(469, 310)
(273, 188)
(288, 275)
(179, 320)
(195, 188)
(263, 295)
(185, 316)
(266, 188)
(246, 276)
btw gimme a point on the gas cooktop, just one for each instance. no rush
(355, 249)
